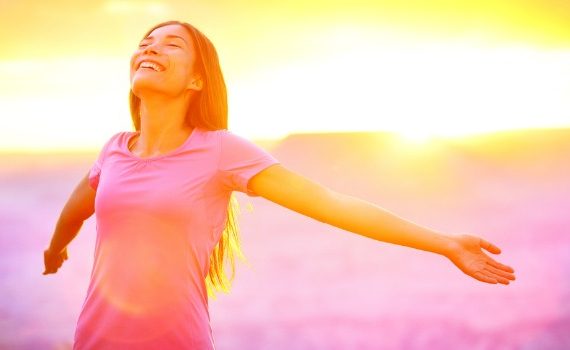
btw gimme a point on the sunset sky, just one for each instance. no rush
(419, 67)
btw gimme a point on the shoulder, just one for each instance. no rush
(115, 140)
(121, 135)
(238, 150)
(230, 139)
(117, 135)
(223, 139)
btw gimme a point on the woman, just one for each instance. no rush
(163, 205)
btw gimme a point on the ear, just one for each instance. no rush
(196, 83)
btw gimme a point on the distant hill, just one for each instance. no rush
(522, 153)
(512, 147)
(500, 172)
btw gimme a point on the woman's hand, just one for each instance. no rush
(467, 254)
(53, 261)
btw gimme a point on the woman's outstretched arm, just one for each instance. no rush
(79, 207)
(294, 191)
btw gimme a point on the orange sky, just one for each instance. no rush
(422, 68)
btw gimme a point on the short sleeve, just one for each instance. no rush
(240, 160)
(95, 170)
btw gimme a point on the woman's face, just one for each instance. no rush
(164, 63)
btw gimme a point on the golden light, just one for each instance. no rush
(415, 137)
(422, 90)
(434, 69)
(51, 104)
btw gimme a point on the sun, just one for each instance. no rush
(418, 137)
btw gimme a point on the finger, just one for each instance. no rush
(489, 246)
(500, 266)
(499, 273)
(484, 278)
(504, 281)
(499, 279)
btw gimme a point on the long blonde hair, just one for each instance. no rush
(208, 110)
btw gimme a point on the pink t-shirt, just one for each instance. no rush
(158, 220)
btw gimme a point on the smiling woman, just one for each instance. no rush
(177, 61)
(162, 197)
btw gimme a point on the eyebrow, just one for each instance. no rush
(169, 36)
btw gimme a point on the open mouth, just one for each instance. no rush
(151, 65)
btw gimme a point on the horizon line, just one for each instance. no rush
(268, 142)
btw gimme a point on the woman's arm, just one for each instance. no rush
(79, 207)
(293, 191)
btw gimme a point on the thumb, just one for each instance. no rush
(489, 246)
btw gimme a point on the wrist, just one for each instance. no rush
(50, 251)
(448, 246)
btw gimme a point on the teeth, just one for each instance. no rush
(146, 64)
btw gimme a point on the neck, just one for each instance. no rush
(163, 123)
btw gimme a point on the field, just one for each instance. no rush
(313, 286)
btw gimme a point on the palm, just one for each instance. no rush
(469, 257)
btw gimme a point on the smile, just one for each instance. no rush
(151, 65)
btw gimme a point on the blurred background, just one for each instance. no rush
(451, 114)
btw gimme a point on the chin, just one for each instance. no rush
(144, 87)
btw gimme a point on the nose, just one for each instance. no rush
(150, 48)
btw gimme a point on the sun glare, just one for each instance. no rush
(413, 137)
(422, 90)
(318, 77)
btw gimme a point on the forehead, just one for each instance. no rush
(171, 30)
